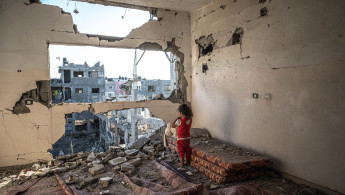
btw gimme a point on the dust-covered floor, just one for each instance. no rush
(100, 173)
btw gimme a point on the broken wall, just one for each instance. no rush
(292, 51)
(26, 31)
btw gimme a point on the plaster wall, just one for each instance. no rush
(296, 54)
(26, 31)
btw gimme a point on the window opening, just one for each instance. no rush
(95, 90)
(78, 74)
(87, 131)
(78, 90)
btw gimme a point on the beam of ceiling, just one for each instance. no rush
(177, 5)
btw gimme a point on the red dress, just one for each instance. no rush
(183, 138)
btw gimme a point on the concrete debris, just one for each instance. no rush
(90, 171)
(128, 168)
(105, 192)
(35, 167)
(135, 162)
(104, 181)
(87, 181)
(189, 173)
(117, 161)
(139, 144)
(131, 152)
(116, 169)
(120, 154)
(91, 157)
(24, 174)
(212, 186)
(95, 162)
(107, 158)
(150, 150)
(97, 169)
(42, 172)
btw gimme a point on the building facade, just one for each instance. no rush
(79, 83)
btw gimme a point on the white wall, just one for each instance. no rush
(303, 126)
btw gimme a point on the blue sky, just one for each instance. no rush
(107, 20)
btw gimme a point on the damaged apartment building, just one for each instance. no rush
(265, 79)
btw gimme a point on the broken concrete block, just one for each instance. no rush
(120, 154)
(100, 155)
(107, 158)
(140, 143)
(91, 157)
(150, 150)
(135, 162)
(97, 161)
(105, 192)
(87, 181)
(212, 186)
(126, 167)
(142, 156)
(104, 181)
(97, 169)
(42, 172)
(69, 164)
(35, 167)
(59, 170)
(189, 173)
(117, 161)
(131, 152)
(155, 143)
(116, 169)
(23, 175)
(58, 163)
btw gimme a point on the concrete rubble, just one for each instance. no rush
(99, 173)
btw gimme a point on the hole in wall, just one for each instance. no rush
(77, 74)
(236, 37)
(263, 12)
(205, 44)
(102, 20)
(86, 131)
(41, 94)
(262, 1)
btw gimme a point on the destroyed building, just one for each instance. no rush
(79, 83)
(266, 76)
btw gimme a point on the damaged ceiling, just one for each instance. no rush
(178, 5)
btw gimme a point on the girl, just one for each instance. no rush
(183, 132)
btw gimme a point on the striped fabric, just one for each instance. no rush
(222, 166)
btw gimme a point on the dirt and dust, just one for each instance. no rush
(75, 170)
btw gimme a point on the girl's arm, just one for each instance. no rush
(173, 125)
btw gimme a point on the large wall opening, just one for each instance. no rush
(86, 131)
(85, 74)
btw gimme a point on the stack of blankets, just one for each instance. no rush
(223, 162)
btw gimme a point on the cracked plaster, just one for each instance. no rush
(295, 53)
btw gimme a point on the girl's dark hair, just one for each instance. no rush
(186, 110)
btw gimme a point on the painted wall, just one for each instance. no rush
(26, 31)
(296, 54)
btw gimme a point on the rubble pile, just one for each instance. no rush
(95, 170)
(110, 172)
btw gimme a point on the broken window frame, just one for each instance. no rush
(78, 74)
(151, 88)
(79, 90)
